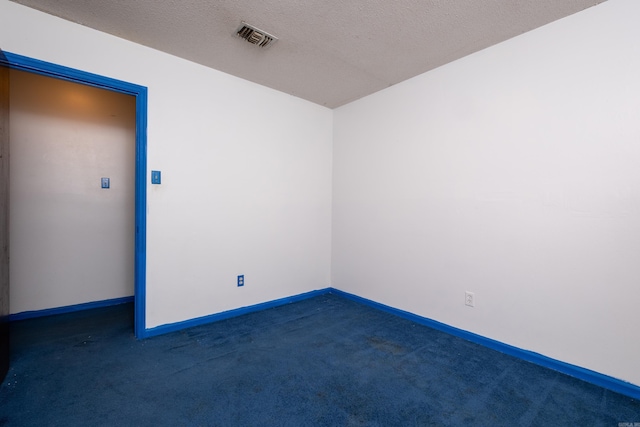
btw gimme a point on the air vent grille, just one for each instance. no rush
(255, 36)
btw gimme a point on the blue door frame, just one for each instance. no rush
(31, 65)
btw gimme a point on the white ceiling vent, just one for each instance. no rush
(255, 36)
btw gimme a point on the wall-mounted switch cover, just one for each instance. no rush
(155, 177)
(104, 182)
(241, 280)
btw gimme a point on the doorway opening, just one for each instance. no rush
(30, 65)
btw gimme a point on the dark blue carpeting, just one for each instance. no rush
(324, 361)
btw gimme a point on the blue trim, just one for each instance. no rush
(587, 375)
(140, 92)
(49, 69)
(141, 215)
(69, 308)
(173, 327)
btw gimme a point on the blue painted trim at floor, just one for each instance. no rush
(587, 375)
(173, 327)
(69, 308)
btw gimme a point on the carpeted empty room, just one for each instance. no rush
(324, 361)
(319, 213)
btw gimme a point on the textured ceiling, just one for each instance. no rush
(329, 52)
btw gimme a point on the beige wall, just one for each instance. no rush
(71, 241)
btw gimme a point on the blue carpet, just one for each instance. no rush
(326, 361)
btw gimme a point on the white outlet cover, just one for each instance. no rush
(469, 299)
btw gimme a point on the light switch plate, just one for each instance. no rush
(155, 177)
(104, 182)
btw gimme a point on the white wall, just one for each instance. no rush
(512, 173)
(71, 241)
(241, 194)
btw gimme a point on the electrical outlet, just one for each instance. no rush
(241, 280)
(469, 299)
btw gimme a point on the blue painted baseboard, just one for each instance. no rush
(172, 327)
(587, 375)
(69, 308)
